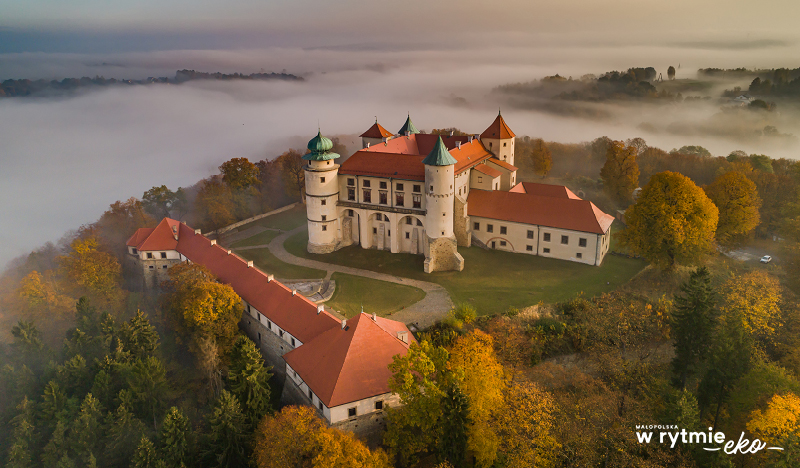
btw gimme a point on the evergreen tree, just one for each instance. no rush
(148, 382)
(173, 439)
(227, 433)
(56, 452)
(453, 426)
(124, 435)
(53, 402)
(87, 429)
(249, 379)
(145, 455)
(694, 319)
(138, 336)
(19, 455)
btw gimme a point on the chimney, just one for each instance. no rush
(294, 292)
(477, 136)
(175, 232)
(320, 308)
(250, 264)
(374, 317)
(213, 242)
(458, 144)
(229, 251)
(367, 144)
(402, 336)
(183, 222)
(270, 278)
(344, 324)
(196, 232)
(451, 133)
(469, 138)
(408, 133)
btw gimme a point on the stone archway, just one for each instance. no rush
(411, 231)
(380, 230)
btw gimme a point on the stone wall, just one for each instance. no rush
(320, 249)
(441, 254)
(461, 223)
(368, 427)
(271, 346)
(155, 271)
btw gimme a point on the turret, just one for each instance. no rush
(322, 195)
(439, 192)
(408, 128)
(499, 140)
(376, 134)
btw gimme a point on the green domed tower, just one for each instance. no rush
(320, 149)
(322, 195)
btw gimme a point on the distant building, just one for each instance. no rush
(428, 194)
(340, 367)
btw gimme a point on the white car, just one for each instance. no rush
(766, 259)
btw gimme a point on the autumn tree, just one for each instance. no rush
(621, 171)
(752, 300)
(159, 201)
(91, 270)
(526, 426)
(202, 308)
(779, 425)
(120, 221)
(540, 157)
(296, 437)
(214, 205)
(248, 379)
(239, 173)
(293, 169)
(694, 319)
(672, 221)
(737, 199)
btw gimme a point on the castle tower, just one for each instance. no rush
(441, 253)
(408, 127)
(499, 140)
(322, 195)
(376, 134)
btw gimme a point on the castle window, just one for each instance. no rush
(152, 267)
(310, 395)
(349, 212)
(431, 190)
(378, 405)
(582, 242)
(529, 248)
(322, 179)
(163, 255)
(383, 198)
(259, 336)
(545, 250)
(134, 251)
(417, 201)
(351, 181)
(324, 217)
(383, 185)
(269, 325)
(503, 230)
(320, 406)
(323, 202)
(366, 183)
(389, 233)
(546, 237)
(530, 234)
(579, 255)
(504, 144)
(480, 179)
(476, 226)
(386, 218)
(502, 243)
(367, 196)
(374, 230)
(408, 220)
(417, 188)
(399, 199)
(351, 193)
(292, 341)
(163, 267)
(419, 223)
(399, 186)
(490, 145)
(324, 227)
(351, 412)
(280, 333)
(149, 254)
(490, 228)
(408, 235)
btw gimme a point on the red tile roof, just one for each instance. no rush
(491, 172)
(384, 159)
(563, 213)
(342, 366)
(138, 237)
(503, 164)
(544, 190)
(376, 131)
(498, 129)
(163, 237)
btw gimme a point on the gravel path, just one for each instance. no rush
(434, 306)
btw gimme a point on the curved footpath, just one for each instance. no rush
(434, 306)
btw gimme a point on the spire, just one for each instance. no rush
(320, 149)
(439, 156)
(408, 127)
(498, 129)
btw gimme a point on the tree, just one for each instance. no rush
(454, 423)
(146, 456)
(117, 224)
(541, 158)
(138, 336)
(694, 150)
(19, 454)
(239, 173)
(124, 435)
(621, 172)
(159, 201)
(526, 426)
(95, 271)
(249, 379)
(694, 320)
(148, 381)
(226, 439)
(294, 173)
(672, 221)
(737, 199)
(779, 424)
(214, 204)
(174, 439)
(87, 429)
(753, 300)
(671, 72)
(639, 143)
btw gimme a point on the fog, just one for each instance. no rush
(64, 159)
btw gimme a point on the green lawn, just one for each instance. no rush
(285, 221)
(380, 297)
(492, 280)
(259, 239)
(270, 264)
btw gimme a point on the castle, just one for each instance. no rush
(429, 194)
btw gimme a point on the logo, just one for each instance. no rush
(711, 441)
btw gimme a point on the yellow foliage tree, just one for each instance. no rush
(541, 158)
(737, 199)
(526, 426)
(39, 296)
(754, 299)
(672, 221)
(297, 437)
(779, 421)
(95, 271)
(483, 383)
(620, 173)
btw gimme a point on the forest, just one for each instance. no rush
(95, 372)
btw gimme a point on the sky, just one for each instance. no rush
(64, 159)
